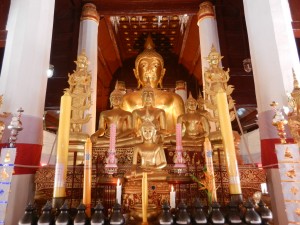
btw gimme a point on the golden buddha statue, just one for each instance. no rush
(149, 68)
(195, 125)
(152, 156)
(116, 115)
(155, 115)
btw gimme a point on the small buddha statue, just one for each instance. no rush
(152, 156)
(116, 115)
(149, 68)
(195, 125)
(155, 115)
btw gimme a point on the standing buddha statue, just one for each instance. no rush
(149, 68)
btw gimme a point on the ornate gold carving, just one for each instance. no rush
(7, 158)
(4, 174)
(287, 153)
(4, 115)
(291, 173)
(297, 211)
(294, 190)
(206, 11)
(80, 91)
(294, 114)
(279, 122)
(89, 12)
(216, 78)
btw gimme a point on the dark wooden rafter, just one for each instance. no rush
(196, 60)
(113, 39)
(104, 65)
(184, 40)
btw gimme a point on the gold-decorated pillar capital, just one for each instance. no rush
(206, 10)
(89, 12)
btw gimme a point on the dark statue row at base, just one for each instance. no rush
(196, 214)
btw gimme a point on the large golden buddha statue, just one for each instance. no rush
(121, 118)
(152, 156)
(149, 67)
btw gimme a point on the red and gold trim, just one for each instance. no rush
(206, 11)
(89, 12)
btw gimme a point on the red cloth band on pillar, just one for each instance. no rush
(268, 154)
(27, 154)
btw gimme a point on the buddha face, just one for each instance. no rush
(148, 98)
(149, 70)
(148, 132)
(116, 100)
(191, 105)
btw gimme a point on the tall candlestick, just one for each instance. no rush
(172, 198)
(178, 134)
(229, 149)
(210, 168)
(178, 159)
(145, 197)
(111, 161)
(119, 192)
(59, 190)
(87, 177)
(112, 137)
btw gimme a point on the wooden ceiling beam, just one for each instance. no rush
(113, 39)
(186, 34)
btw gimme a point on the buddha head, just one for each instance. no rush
(149, 66)
(148, 130)
(191, 103)
(148, 95)
(116, 97)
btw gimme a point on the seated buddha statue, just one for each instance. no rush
(155, 115)
(116, 115)
(152, 156)
(149, 68)
(195, 126)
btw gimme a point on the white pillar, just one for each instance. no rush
(181, 89)
(208, 35)
(23, 84)
(88, 41)
(208, 32)
(273, 55)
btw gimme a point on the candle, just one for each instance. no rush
(87, 176)
(145, 197)
(210, 167)
(59, 190)
(119, 192)
(172, 198)
(229, 148)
